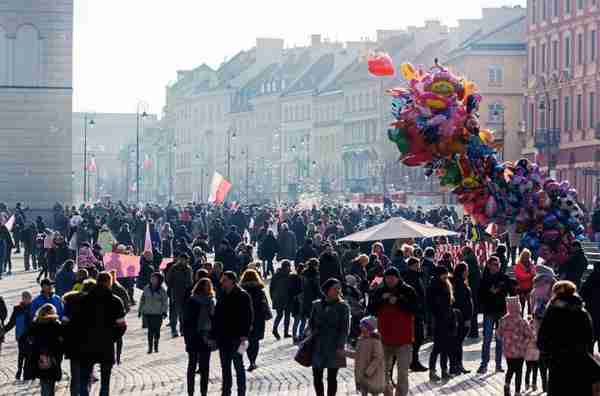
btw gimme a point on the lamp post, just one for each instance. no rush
(279, 135)
(87, 119)
(306, 143)
(140, 113)
(230, 138)
(246, 152)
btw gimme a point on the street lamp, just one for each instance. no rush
(172, 149)
(247, 153)
(140, 113)
(231, 135)
(87, 120)
(279, 135)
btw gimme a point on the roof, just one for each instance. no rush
(316, 74)
(235, 66)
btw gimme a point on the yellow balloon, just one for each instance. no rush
(486, 136)
(408, 71)
(470, 88)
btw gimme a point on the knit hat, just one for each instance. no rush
(392, 271)
(370, 324)
(328, 284)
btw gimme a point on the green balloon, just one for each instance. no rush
(398, 136)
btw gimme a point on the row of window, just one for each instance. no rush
(586, 50)
(297, 112)
(549, 116)
(361, 132)
(361, 101)
(542, 10)
(200, 113)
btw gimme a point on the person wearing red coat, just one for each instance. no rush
(525, 272)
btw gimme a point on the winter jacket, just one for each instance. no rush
(542, 289)
(52, 299)
(590, 292)
(415, 280)
(566, 340)
(260, 308)
(198, 315)
(154, 302)
(179, 279)
(57, 256)
(287, 245)
(106, 240)
(463, 299)
(86, 258)
(119, 291)
(279, 289)
(330, 322)
(20, 319)
(146, 270)
(311, 291)
(369, 365)
(330, 267)
(268, 248)
(45, 338)
(514, 331)
(494, 303)
(396, 321)
(234, 316)
(525, 275)
(532, 353)
(305, 253)
(440, 305)
(295, 288)
(65, 280)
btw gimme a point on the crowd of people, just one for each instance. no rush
(232, 270)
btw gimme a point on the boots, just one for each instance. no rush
(155, 344)
(150, 341)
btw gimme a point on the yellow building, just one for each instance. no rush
(494, 57)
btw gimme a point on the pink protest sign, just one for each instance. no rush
(126, 266)
(164, 263)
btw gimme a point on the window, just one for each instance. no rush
(593, 45)
(567, 113)
(531, 118)
(533, 12)
(580, 4)
(554, 113)
(567, 52)
(544, 14)
(532, 55)
(578, 109)
(543, 63)
(495, 75)
(580, 48)
(555, 55)
(27, 57)
(591, 112)
(568, 6)
(556, 8)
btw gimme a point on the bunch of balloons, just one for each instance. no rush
(437, 126)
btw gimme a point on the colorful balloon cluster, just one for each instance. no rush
(437, 126)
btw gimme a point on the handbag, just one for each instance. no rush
(304, 354)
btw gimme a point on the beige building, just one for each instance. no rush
(493, 56)
(36, 62)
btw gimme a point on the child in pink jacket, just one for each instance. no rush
(532, 359)
(516, 335)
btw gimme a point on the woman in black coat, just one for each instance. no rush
(463, 306)
(295, 287)
(198, 313)
(57, 255)
(124, 237)
(311, 290)
(45, 338)
(147, 268)
(439, 300)
(253, 285)
(267, 250)
(566, 340)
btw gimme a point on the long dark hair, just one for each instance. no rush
(459, 273)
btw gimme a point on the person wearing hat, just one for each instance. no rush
(369, 366)
(330, 324)
(106, 240)
(394, 303)
(47, 296)
(440, 296)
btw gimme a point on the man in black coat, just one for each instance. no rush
(495, 287)
(413, 277)
(330, 266)
(233, 321)
(306, 252)
(590, 293)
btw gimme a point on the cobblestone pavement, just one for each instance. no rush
(164, 373)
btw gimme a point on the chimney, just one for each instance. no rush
(315, 40)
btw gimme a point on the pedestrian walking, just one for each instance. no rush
(154, 305)
(414, 278)
(474, 278)
(329, 324)
(65, 278)
(45, 337)
(254, 286)
(20, 319)
(394, 303)
(47, 296)
(440, 298)
(516, 335)
(369, 366)
(525, 273)
(267, 250)
(311, 290)
(198, 316)
(295, 289)
(279, 289)
(463, 303)
(234, 317)
(590, 293)
(533, 361)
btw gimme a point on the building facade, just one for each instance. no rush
(561, 100)
(36, 73)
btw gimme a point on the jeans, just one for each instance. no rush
(28, 257)
(176, 316)
(75, 384)
(284, 314)
(402, 355)
(47, 387)
(253, 348)
(489, 323)
(331, 381)
(298, 327)
(86, 373)
(200, 360)
(228, 355)
(515, 367)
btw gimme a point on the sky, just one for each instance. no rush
(126, 51)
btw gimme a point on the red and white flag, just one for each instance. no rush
(219, 189)
(147, 162)
(148, 240)
(10, 223)
(92, 165)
